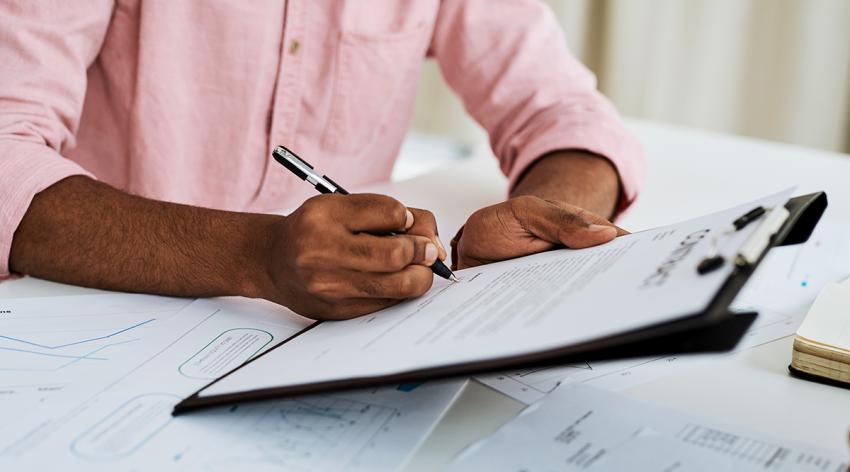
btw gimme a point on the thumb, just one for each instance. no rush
(593, 218)
(426, 225)
(566, 226)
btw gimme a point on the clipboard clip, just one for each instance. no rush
(754, 246)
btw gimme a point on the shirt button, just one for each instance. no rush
(293, 46)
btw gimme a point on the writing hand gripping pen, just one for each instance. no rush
(324, 184)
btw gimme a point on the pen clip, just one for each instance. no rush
(291, 161)
(758, 242)
(754, 246)
(303, 170)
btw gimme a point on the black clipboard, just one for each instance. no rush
(715, 329)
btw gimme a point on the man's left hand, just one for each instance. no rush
(526, 225)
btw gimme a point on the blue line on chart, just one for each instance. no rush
(74, 360)
(48, 354)
(77, 342)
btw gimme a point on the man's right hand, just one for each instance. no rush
(332, 259)
(326, 260)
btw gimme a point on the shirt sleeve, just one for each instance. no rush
(46, 47)
(508, 61)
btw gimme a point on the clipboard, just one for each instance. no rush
(714, 329)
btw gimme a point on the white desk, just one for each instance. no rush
(690, 172)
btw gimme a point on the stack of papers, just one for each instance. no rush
(106, 371)
(581, 428)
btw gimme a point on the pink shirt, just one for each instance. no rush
(184, 100)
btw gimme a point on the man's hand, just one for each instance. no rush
(329, 260)
(323, 261)
(558, 202)
(527, 225)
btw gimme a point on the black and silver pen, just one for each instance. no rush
(324, 184)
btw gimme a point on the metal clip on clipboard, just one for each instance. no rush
(754, 246)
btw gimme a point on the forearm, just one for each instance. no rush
(579, 178)
(83, 232)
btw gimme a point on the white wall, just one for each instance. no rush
(773, 69)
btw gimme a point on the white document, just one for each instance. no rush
(50, 344)
(581, 428)
(512, 308)
(47, 343)
(781, 291)
(127, 425)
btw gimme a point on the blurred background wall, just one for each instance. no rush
(772, 69)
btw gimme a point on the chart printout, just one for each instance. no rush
(51, 344)
(127, 425)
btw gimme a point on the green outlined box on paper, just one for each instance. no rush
(225, 352)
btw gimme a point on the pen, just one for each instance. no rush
(754, 246)
(324, 184)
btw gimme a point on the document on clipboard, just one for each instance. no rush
(641, 293)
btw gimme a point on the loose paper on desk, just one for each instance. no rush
(49, 345)
(126, 424)
(511, 308)
(581, 428)
(50, 342)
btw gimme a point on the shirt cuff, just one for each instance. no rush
(26, 169)
(616, 145)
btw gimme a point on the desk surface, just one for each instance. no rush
(690, 172)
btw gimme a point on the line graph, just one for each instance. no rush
(82, 341)
(49, 354)
(73, 359)
(82, 335)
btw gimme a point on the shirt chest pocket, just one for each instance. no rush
(373, 72)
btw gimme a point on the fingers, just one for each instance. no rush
(346, 309)
(593, 218)
(336, 260)
(373, 213)
(424, 224)
(351, 308)
(341, 286)
(376, 214)
(410, 282)
(370, 253)
(556, 224)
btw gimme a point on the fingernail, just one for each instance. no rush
(408, 222)
(430, 253)
(599, 228)
(440, 244)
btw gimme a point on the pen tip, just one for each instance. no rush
(454, 278)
